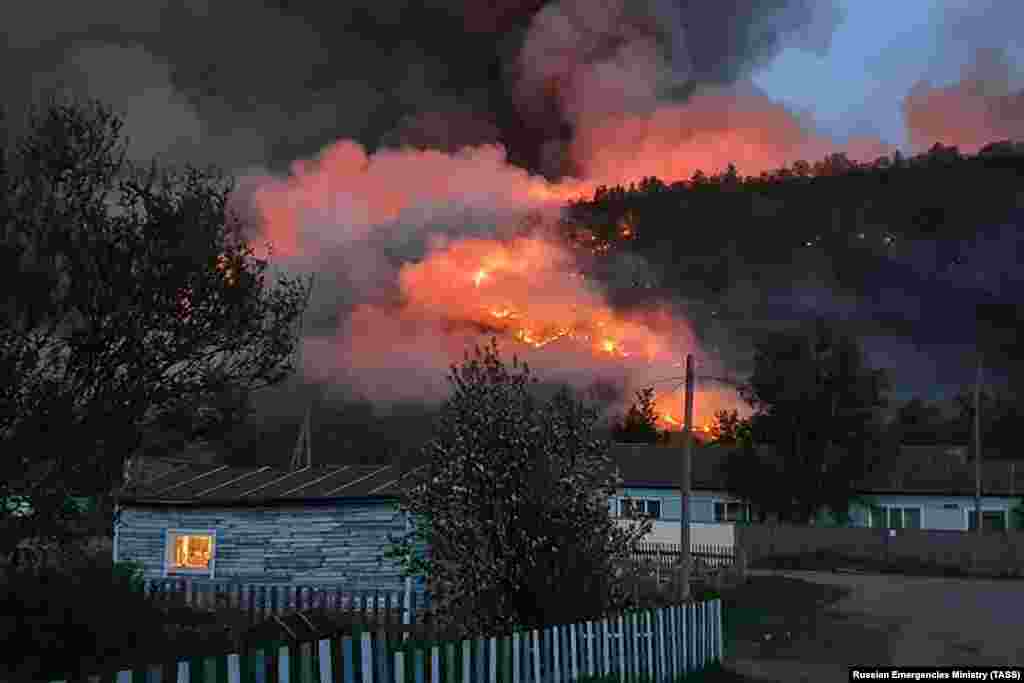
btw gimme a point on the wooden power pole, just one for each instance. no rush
(684, 484)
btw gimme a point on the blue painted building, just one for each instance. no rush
(311, 525)
(925, 487)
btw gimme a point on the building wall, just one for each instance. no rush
(703, 527)
(343, 543)
(701, 533)
(937, 511)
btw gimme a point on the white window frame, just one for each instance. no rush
(968, 509)
(746, 509)
(644, 505)
(889, 507)
(169, 535)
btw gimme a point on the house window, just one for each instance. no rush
(992, 520)
(732, 512)
(190, 551)
(895, 517)
(878, 517)
(632, 507)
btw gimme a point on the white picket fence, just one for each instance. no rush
(655, 645)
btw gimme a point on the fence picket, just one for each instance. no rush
(536, 656)
(659, 644)
(435, 664)
(702, 610)
(515, 657)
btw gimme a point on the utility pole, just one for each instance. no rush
(977, 445)
(684, 484)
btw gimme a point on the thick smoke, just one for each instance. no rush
(985, 105)
(716, 126)
(420, 125)
(245, 83)
(427, 254)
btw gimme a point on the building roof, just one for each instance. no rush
(650, 466)
(941, 470)
(217, 484)
(918, 470)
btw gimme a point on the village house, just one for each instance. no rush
(925, 487)
(326, 524)
(330, 524)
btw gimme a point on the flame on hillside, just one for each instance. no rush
(527, 289)
(475, 276)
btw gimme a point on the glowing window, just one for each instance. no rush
(190, 551)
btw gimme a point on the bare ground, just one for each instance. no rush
(835, 621)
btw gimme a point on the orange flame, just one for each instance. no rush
(706, 403)
(532, 294)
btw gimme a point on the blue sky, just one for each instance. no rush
(880, 50)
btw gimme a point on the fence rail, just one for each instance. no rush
(713, 556)
(658, 645)
(264, 601)
(992, 553)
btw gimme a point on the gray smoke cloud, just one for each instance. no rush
(253, 86)
(247, 83)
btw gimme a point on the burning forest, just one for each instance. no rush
(421, 173)
(507, 273)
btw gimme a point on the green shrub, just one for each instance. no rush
(96, 617)
(131, 573)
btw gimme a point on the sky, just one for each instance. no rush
(373, 140)
(879, 51)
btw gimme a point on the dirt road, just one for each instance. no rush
(886, 619)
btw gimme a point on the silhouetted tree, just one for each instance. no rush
(640, 424)
(918, 423)
(133, 306)
(729, 429)
(818, 403)
(511, 519)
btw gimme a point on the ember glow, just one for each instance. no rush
(728, 125)
(669, 408)
(526, 289)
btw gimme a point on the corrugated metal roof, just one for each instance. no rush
(221, 484)
(916, 470)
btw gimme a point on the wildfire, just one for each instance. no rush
(670, 422)
(528, 289)
(706, 402)
(627, 226)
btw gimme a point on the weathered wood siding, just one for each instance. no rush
(343, 542)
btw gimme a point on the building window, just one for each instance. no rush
(992, 520)
(895, 517)
(633, 507)
(732, 512)
(190, 551)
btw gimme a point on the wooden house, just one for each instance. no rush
(325, 524)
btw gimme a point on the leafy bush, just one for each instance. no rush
(89, 616)
(131, 573)
(96, 617)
